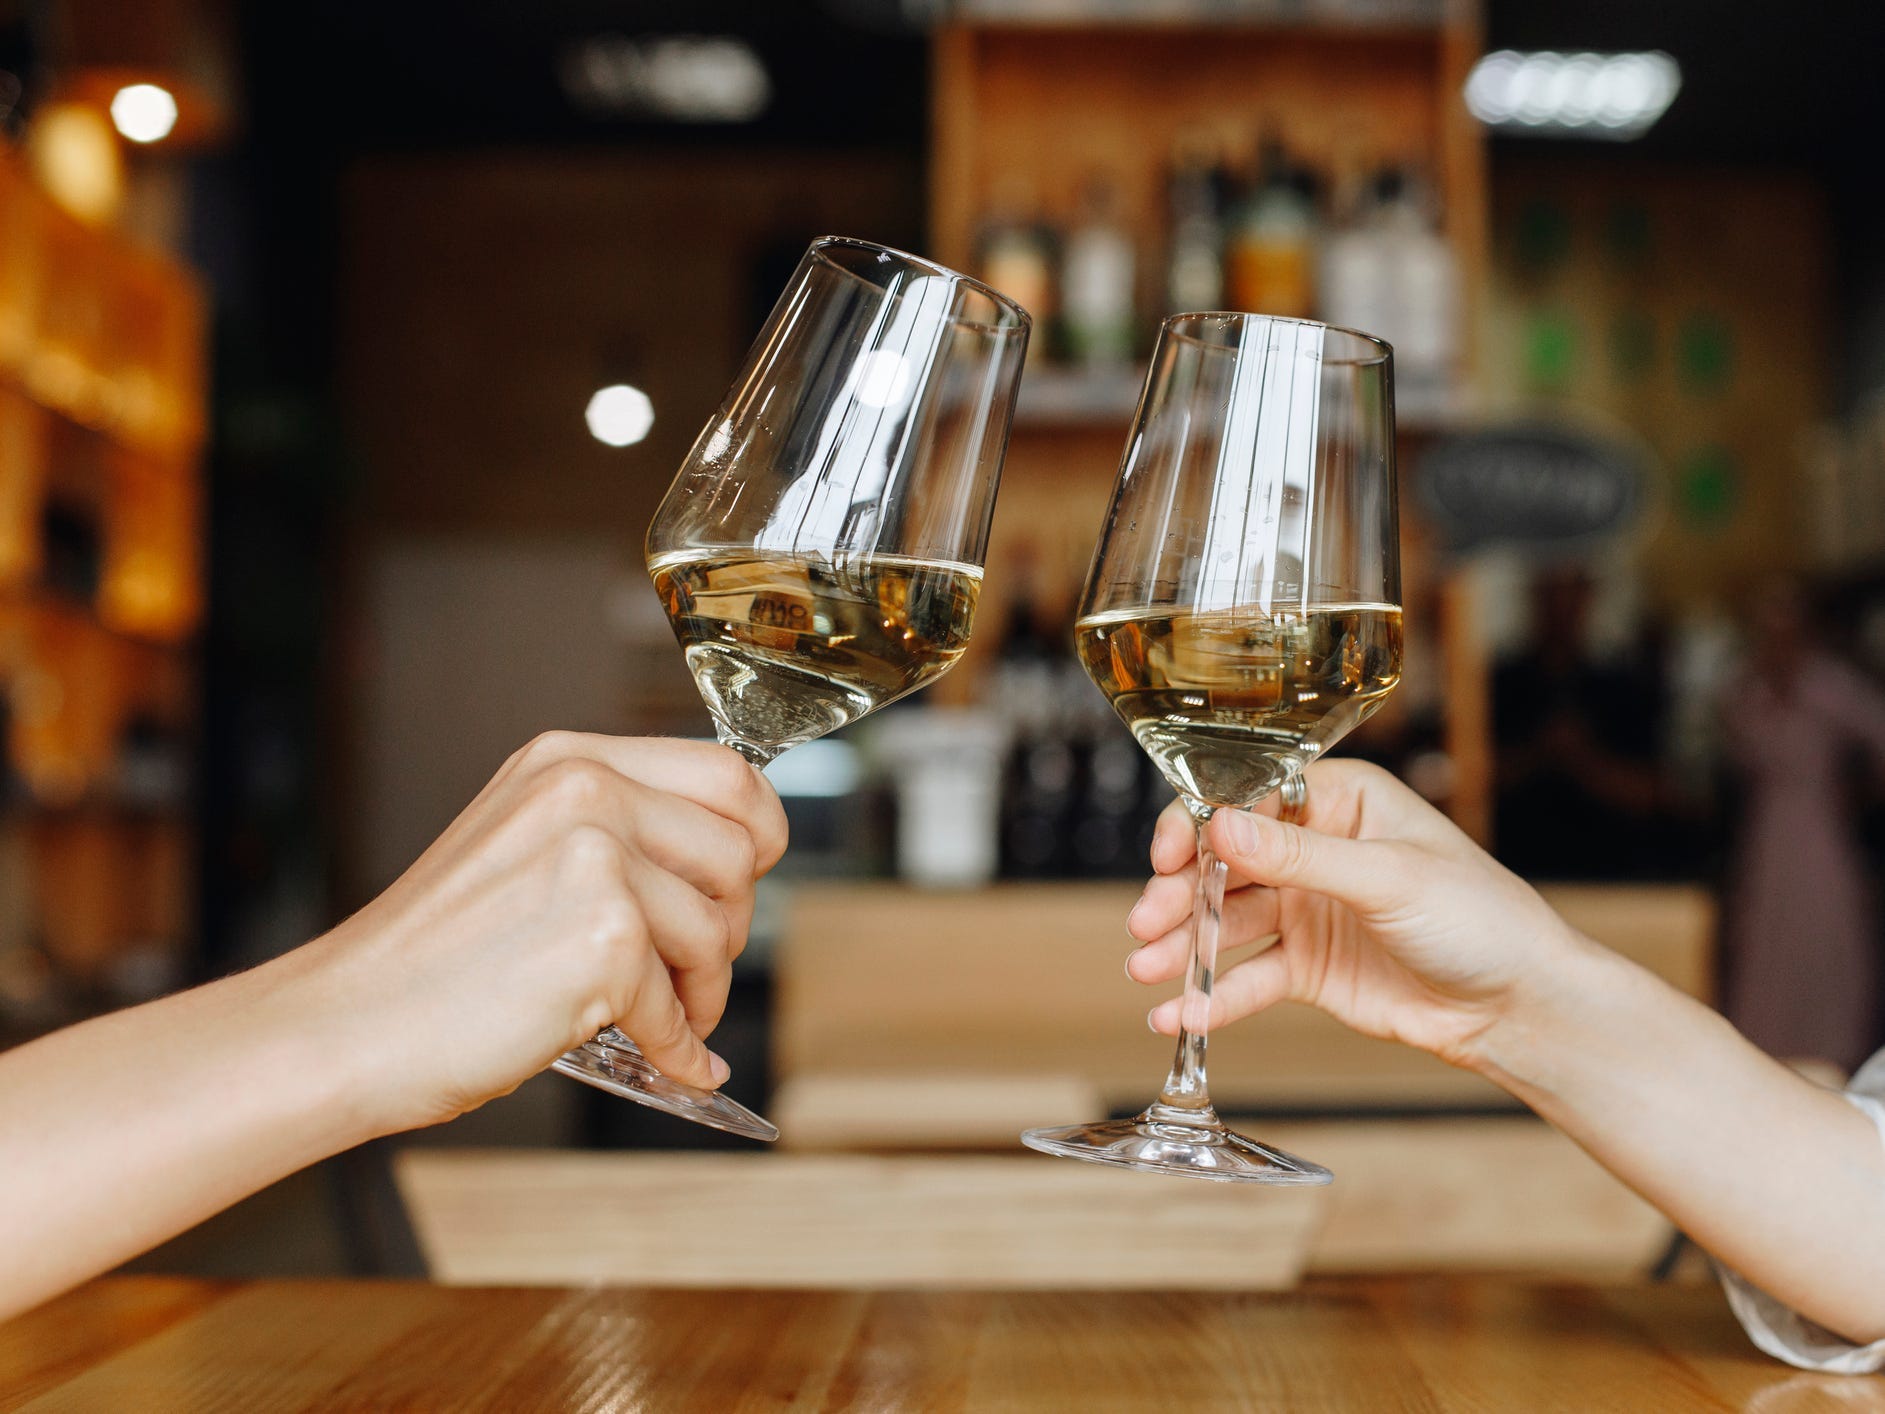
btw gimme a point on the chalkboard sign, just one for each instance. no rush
(1531, 485)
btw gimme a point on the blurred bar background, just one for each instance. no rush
(345, 351)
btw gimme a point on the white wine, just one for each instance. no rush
(787, 647)
(1229, 702)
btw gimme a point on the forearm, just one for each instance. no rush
(126, 1130)
(1779, 1178)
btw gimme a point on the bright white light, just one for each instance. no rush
(1582, 97)
(144, 112)
(1487, 84)
(881, 379)
(690, 78)
(619, 415)
(1589, 95)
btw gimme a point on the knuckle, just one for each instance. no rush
(743, 857)
(618, 921)
(592, 851)
(721, 935)
(705, 941)
(546, 747)
(574, 785)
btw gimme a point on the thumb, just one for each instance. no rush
(1360, 873)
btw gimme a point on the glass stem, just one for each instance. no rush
(1185, 1087)
(760, 756)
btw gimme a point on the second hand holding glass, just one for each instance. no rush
(1242, 614)
(820, 551)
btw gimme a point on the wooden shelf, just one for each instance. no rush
(102, 419)
(1039, 96)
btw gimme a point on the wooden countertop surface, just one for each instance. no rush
(158, 1343)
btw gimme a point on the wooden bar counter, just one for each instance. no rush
(1436, 1343)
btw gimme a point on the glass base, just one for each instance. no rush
(1186, 1143)
(614, 1063)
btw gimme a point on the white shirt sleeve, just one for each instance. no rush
(1785, 1334)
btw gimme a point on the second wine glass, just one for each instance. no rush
(820, 551)
(1242, 614)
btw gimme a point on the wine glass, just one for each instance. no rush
(820, 551)
(1242, 614)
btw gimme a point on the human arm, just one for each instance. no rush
(593, 880)
(1395, 923)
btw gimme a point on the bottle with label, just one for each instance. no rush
(1269, 264)
(1096, 283)
(1017, 256)
(1355, 275)
(1427, 282)
(1194, 264)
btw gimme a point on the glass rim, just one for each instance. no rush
(1384, 351)
(1023, 320)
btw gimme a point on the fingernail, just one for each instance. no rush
(1151, 1021)
(718, 1068)
(1134, 911)
(1129, 957)
(1240, 831)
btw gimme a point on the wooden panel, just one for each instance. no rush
(1020, 979)
(1505, 1194)
(924, 1111)
(486, 296)
(1670, 929)
(1417, 1345)
(549, 1217)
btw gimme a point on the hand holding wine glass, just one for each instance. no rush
(1242, 615)
(820, 551)
(1383, 912)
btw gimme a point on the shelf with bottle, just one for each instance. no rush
(93, 721)
(108, 530)
(96, 818)
(102, 418)
(94, 329)
(1360, 250)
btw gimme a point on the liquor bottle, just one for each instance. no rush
(1017, 256)
(1096, 283)
(1194, 265)
(1355, 276)
(1389, 272)
(1269, 263)
(1426, 347)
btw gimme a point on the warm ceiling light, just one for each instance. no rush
(1573, 95)
(77, 160)
(143, 112)
(619, 415)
